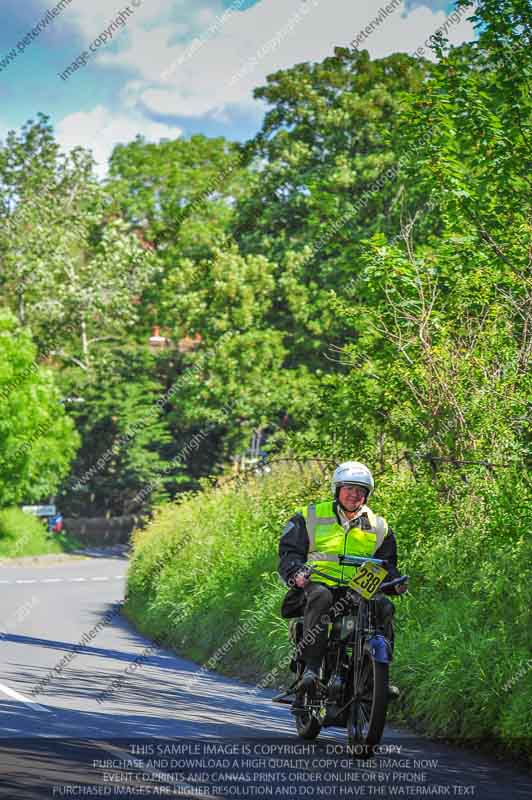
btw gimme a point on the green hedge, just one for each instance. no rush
(23, 534)
(464, 633)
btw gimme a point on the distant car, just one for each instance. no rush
(55, 523)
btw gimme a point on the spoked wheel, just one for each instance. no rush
(367, 712)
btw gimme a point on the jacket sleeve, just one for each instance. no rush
(293, 547)
(388, 552)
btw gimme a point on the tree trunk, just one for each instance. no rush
(84, 341)
(21, 308)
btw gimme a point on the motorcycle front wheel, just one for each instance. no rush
(367, 712)
(307, 726)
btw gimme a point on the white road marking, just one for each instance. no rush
(28, 701)
(64, 580)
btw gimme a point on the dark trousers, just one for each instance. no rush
(320, 599)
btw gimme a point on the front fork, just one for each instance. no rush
(368, 641)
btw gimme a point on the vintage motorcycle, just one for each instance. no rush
(352, 691)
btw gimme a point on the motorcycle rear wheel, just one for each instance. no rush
(367, 712)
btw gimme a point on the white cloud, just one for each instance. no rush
(4, 130)
(94, 17)
(231, 55)
(222, 68)
(100, 130)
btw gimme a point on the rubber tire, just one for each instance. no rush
(379, 707)
(307, 726)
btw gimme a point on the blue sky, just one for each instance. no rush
(175, 67)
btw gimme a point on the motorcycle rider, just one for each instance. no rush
(318, 534)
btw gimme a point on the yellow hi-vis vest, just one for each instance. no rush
(328, 540)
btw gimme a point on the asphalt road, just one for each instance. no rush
(88, 708)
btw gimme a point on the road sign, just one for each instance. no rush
(40, 511)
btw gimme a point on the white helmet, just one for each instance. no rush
(352, 472)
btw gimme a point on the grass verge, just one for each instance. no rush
(22, 534)
(464, 633)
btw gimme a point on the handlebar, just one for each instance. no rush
(355, 561)
(395, 582)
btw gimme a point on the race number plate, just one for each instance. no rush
(368, 579)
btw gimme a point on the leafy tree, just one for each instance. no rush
(442, 328)
(184, 194)
(330, 135)
(181, 194)
(362, 264)
(126, 443)
(327, 174)
(68, 264)
(37, 439)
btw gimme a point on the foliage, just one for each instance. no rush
(127, 441)
(23, 534)
(439, 359)
(361, 268)
(37, 439)
(327, 174)
(330, 133)
(177, 576)
(67, 265)
(465, 626)
(180, 194)
(423, 304)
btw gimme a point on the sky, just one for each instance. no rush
(105, 71)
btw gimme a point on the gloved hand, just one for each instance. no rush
(301, 578)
